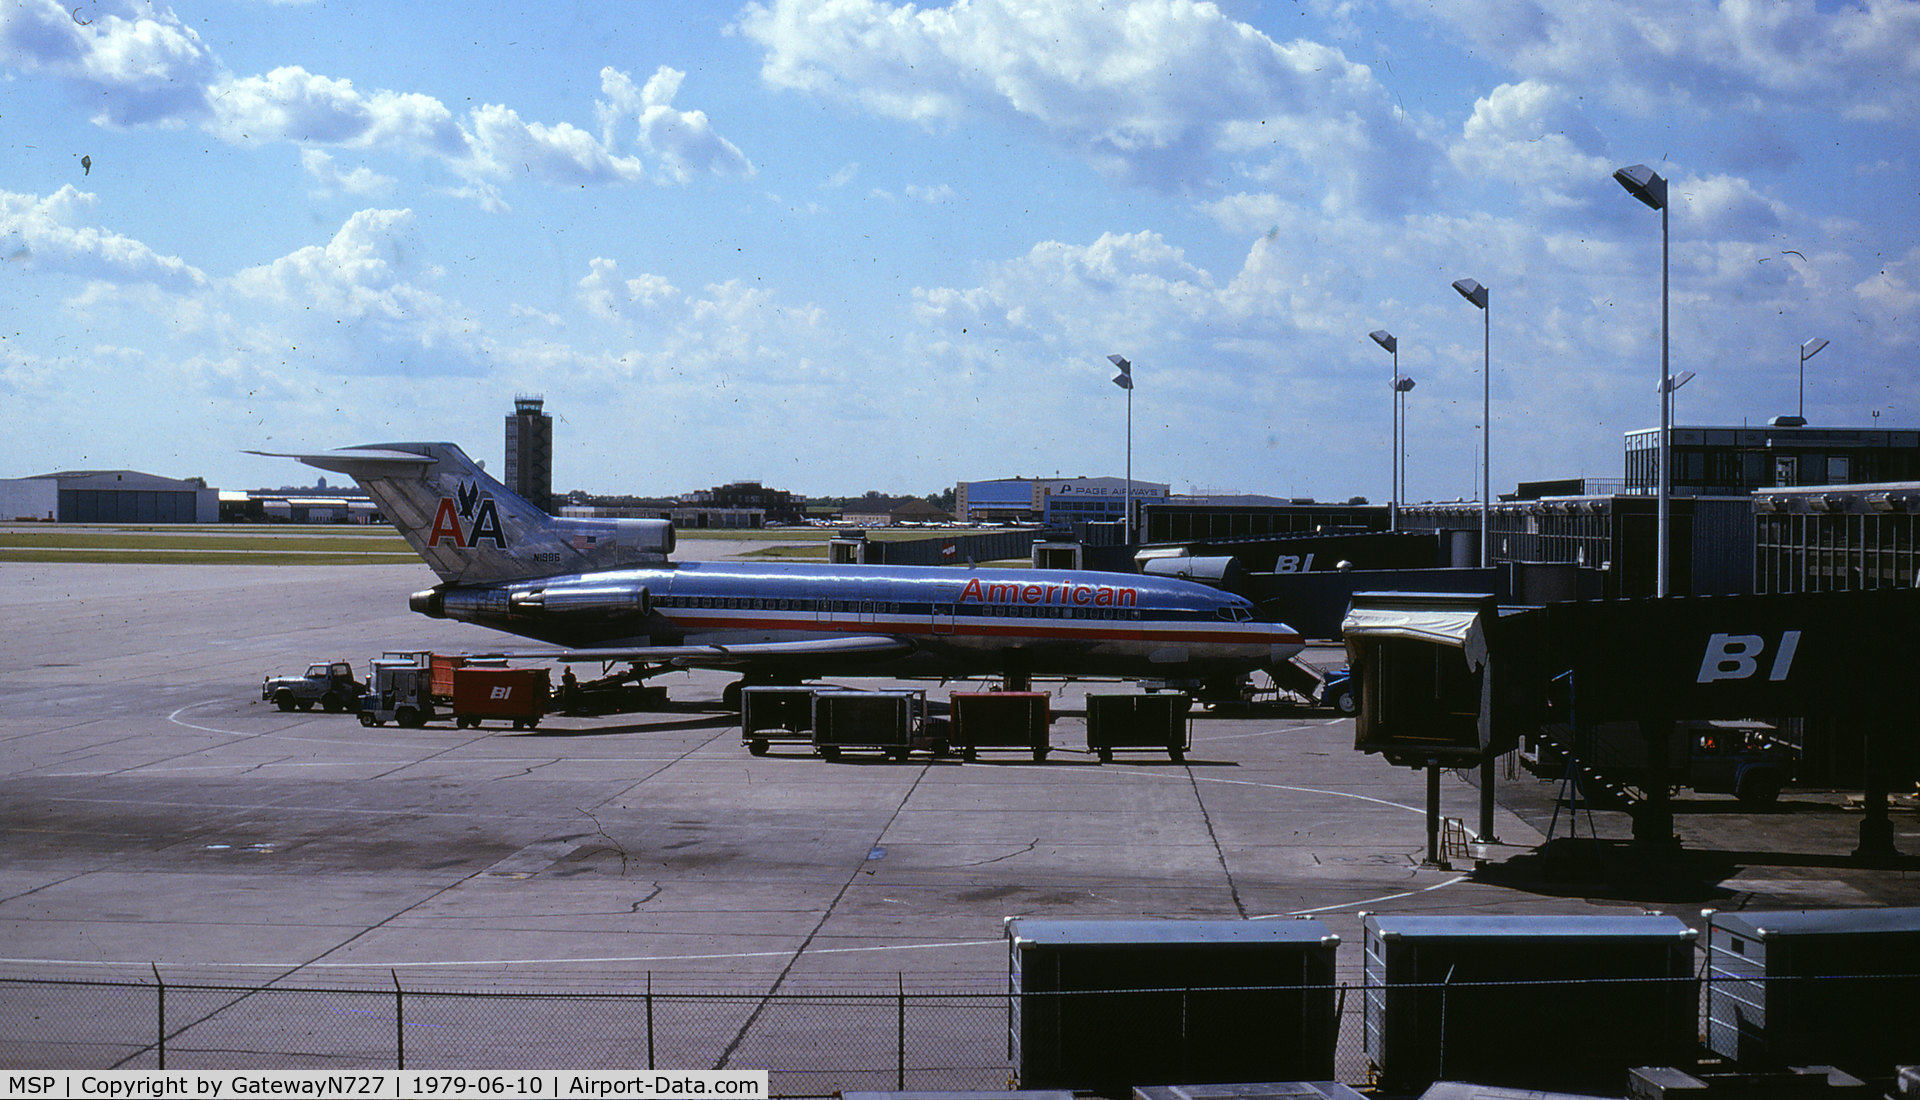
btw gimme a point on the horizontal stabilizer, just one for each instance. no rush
(354, 461)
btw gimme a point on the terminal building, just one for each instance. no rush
(1753, 510)
(1064, 502)
(1737, 461)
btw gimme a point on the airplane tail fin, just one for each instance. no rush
(473, 530)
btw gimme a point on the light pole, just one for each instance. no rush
(1477, 294)
(1401, 387)
(1650, 187)
(1125, 381)
(1807, 351)
(1385, 339)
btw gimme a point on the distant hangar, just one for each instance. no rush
(108, 496)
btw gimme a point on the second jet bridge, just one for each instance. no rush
(1453, 681)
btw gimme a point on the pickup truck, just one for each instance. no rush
(330, 685)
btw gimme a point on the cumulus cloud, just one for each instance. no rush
(1710, 55)
(141, 67)
(1532, 137)
(684, 141)
(55, 235)
(354, 181)
(147, 68)
(1893, 293)
(291, 104)
(727, 326)
(1728, 207)
(1172, 92)
(1132, 290)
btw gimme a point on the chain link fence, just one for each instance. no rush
(812, 1044)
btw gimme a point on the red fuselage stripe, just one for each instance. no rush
(1118, 630)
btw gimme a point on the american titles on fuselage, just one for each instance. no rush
(1076, 595)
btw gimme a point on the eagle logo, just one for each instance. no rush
(476, 519)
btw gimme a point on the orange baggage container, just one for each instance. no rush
(520, 695)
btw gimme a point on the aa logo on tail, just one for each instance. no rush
(466, 524)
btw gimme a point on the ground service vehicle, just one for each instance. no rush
(399, 690)
(330, 685)
(1338, 692)
(1739, 759)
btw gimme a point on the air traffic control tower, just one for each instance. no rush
(530, 452)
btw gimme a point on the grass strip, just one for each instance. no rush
(201, 557)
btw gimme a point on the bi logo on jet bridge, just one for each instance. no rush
(464, 525)
(1737, 657)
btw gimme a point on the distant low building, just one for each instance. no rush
(904, 511)
(1000, 500)
(777, 505)
(108, 496)
(317, 504)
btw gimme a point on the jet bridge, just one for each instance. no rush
(1822, 654)
(1449, 680)
(1444, 680)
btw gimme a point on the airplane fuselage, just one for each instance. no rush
(604, 590)
(951, 621)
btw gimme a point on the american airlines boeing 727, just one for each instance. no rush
(603, 589)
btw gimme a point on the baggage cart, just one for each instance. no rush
(1814, 986)
(1100, 1005)
(891, 722)
(775, 715)
(999, 720)
(1148, 720)
(1521, 1001)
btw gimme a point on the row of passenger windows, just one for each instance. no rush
(878, 607)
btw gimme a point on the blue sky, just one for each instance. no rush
(839, 245)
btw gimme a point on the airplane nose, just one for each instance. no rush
(1283, 642)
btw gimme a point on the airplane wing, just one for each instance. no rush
(875, 646)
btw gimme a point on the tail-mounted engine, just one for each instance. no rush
(597, 602)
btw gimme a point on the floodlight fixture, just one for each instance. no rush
(1645, 184)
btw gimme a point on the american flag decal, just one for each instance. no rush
(584, 542)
